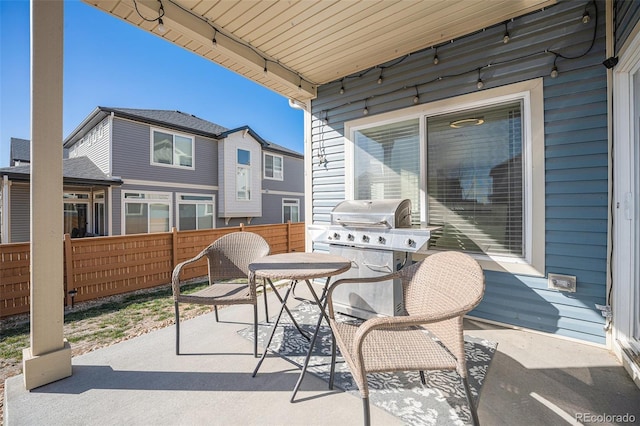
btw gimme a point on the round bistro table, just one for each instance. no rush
(298, 266)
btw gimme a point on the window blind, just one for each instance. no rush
(387, 163)
(475, 180)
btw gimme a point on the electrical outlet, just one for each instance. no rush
(562, 282)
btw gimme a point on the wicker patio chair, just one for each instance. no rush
(437, 293)
(228, 258)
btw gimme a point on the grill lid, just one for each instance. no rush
(373, 213)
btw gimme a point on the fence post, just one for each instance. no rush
(174, 247)
(288, 235)
(68, 267)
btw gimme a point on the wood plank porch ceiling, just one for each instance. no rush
(306, 43)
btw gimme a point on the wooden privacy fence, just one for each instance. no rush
(104, 266)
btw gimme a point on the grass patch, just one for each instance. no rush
(103, 323)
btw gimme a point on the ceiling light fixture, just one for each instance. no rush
(466, 122)
(436, 60)
(505, 38)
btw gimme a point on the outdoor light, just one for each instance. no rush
(380, 78)
(161, 28)
(416, 98)
(586, 18)
(73, 293)
(479, 83)
(214, 41)
(436, 60)
(342, 87)
(554, 70)
(505, 39)
(365, 111)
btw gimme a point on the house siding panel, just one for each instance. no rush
(626, 16)
(272, 210)
(576, 173)
(96, 148)
(20, 213)
(293, 175)
(229, 205)
(132, 156)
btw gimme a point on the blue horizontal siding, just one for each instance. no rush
(576, 151)
(530, 304)
(626, 16)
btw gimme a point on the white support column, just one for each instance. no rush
(49, 357)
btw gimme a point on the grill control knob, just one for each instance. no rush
(411, 243)
(382, 240)
(350, 237)
(365, 238)
(336, 236)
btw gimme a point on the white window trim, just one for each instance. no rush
(624, 261)
(249, 176)
(174, 134)
(179, 195)
(99, 197)
(290, 202)
(531, 93)
(86, 201)
(168, 201)
(264, 167)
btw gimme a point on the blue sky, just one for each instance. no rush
(108, 62)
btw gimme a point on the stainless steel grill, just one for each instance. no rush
(376, 235)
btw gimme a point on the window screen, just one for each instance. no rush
(475, 180)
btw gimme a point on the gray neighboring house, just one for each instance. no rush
(20, 152)
(85, 186)
(180, 170)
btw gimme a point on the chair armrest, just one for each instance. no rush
(388, 323)
(366, 280)
(175, 276)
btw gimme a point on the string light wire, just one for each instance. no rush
(478, 70)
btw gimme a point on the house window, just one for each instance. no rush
(195, 212)
(466, 163)
(290, 210)
(146, 212)
(273, 166)
(99, 215)
(171, 149)
(243, 175)
(76, 214)
(386, 163)
(475, 180)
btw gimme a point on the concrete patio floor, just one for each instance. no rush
(534, 379)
